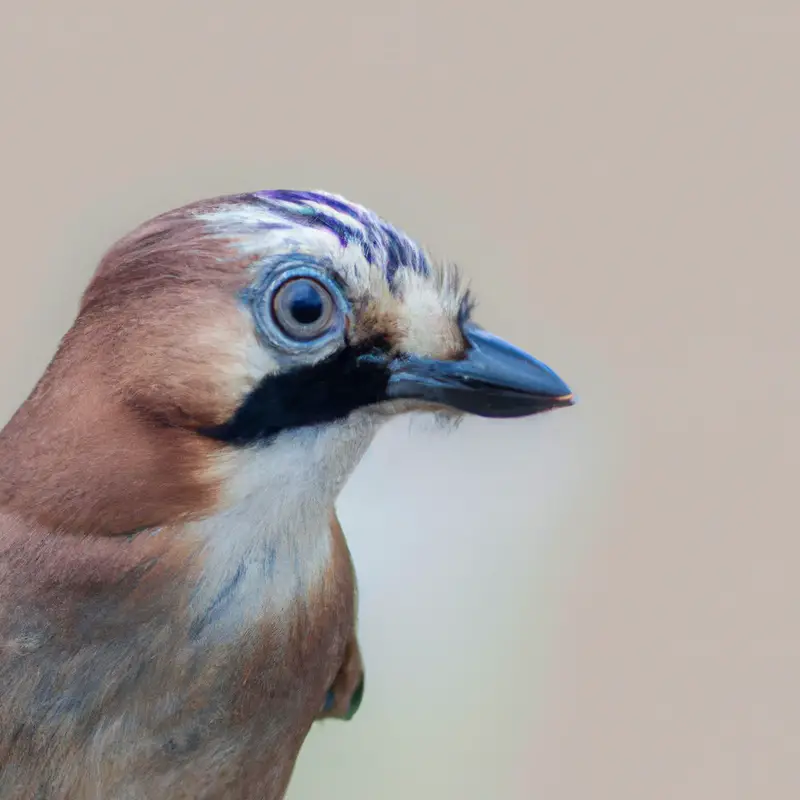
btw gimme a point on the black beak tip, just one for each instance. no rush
(565, 400)
(561, 393)
(514, 404)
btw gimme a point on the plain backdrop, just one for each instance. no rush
(599, 603)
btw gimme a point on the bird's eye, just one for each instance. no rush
(303, 309)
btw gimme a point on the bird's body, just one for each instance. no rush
(116, 696)
(177, 599)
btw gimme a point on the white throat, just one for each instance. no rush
(271, 543)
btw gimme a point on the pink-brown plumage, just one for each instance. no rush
(97, 669)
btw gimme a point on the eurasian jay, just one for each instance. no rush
(177, 599)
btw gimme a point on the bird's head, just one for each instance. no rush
(349, 315)
(296, 321)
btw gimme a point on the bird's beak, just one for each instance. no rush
(492, 379)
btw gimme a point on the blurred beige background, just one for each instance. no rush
(600, 603)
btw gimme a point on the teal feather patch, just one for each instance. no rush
(355, 700)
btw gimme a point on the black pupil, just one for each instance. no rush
(304, 303)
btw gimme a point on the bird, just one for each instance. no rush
(178, 603)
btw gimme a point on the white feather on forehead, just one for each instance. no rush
(257, 230)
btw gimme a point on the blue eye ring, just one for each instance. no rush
(272, 313)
